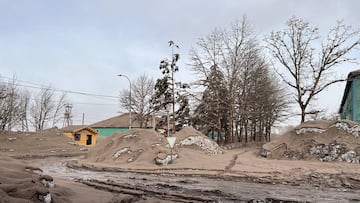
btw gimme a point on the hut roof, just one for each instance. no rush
(121, 121)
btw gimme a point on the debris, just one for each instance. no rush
(350, 157)
(204, 143)
(165, 161)
(265, 153)
(325, 140)
(329, 152)
(120, 152)
(309, 130)
(130, 136)
(11, 139)
(45, 198)
(72, 142)
(354, 130)
(47, 181)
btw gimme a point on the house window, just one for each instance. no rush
(77, 137)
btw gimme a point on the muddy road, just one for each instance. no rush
(174, 188)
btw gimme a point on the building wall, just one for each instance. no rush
(356, 99)
(69, 134)
(351, 108)
(109, 131)
(83, 137)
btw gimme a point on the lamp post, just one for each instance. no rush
(122, 75)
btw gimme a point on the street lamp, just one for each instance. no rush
(122, 75)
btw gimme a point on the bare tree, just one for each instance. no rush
(45, 109)
(24, 108)
(13, 106)
(8, 105)
(232, 69)
(142, 92)
(305, 70)
(59, 106)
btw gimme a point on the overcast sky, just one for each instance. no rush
(81, 45)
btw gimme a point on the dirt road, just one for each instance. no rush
(169, 187)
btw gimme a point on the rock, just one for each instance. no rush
(120, 152)
(329, 152)
(45, 198)
(84, 149)
(307, 130)
(204, 143)
(47, 183)
(72, 142)
(11, 139)
(166, 160)
(130, 136)
(350, 157)
(290, 154)
(265, 153)
(354, 130)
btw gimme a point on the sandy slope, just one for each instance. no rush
(21, 182)
(318, 140)
(139, 148)
(50, 142)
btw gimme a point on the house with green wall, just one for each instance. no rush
(350, 103)
(118, 123)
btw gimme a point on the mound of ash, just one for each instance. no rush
(22, 183)
(49, 142)
(144, 147)
(322, 140)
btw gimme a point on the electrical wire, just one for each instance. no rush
(39, 86)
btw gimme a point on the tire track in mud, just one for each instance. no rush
(160, 191)
(231, 164)
(168, 186)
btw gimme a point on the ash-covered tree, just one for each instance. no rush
(166, 93)
(211, 114)
(308, 62)
(142, 91)
(165, 87)
(182, 113)
(228, 63)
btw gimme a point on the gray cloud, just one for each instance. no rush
(82, 45)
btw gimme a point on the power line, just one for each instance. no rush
(84, 103)
(39, 86)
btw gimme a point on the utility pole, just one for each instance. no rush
(67, 115)
(82, 121)
(130, 121)
(174, 59)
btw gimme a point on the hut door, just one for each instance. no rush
(88, 139)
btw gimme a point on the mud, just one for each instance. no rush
(170, 187)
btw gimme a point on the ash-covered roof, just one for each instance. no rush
(121, 121)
